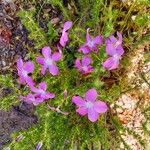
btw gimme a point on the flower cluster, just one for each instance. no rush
(114, 49)
(89, 105)
(48, 61)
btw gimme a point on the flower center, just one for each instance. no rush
(24, 73)
(85, 68)
(116, 57)
(89, 104)
(49, 62)
(42, 92)
(90, 44)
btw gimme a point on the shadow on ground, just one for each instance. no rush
(18, 118)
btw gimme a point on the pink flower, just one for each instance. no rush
(64, 37)
(41, 92)
(90, 44)
(84, 65)
(24, 69)
(115, 50)
(32, 99)
(89, 105)
(49, 61)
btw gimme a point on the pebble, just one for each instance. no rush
(3, 63)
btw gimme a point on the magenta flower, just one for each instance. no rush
(115, 50)
(41, 92)
(88, 105)
(32, 99)
(90, 44)
(64, 37)
(49, 61)
(84, 65)
(24, 69)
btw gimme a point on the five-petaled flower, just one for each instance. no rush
(49, 61)
(64, 36)
(24, 69)
(84, 65)
(91, 43)
(89, 105)
(115, 50)
(41, 92)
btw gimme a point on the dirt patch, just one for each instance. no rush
(18, 118)
(13, 37)
(131, 104)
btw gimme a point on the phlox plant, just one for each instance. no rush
(76, 84)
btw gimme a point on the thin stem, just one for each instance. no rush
(57, 110)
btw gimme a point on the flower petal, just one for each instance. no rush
(29, 81)
(92, 115)
(90, 69)
(63, 39)
(98, 40)
(82, 111)
(85, 49)
(113, 39)
(21, 80)
(88, 38)
(53, 69)
(49, 95)
(78, 101)
(29, 67)
(46, 51)
(111, 63)
(67, 25)
(86, 61)
(38, 101)
(43, 69)
(56, 56)
(39, 146)
(119, 50)
(91, 95)
(19, 63)
(119, 37)
(100, 107)
(78, 63)
(40, 60)
(42, 86)
(110, 49)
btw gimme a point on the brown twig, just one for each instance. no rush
(57, 110)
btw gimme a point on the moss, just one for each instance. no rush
(9, 99)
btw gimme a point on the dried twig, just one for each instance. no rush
(57, 110)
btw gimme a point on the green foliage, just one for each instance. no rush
(6, 81)
(7, 100)
(142, 41)
(110, 16)
(52, 33)
(64, 132)
(95, 13)
(59, 4)
(36, 33)
(142, 20)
